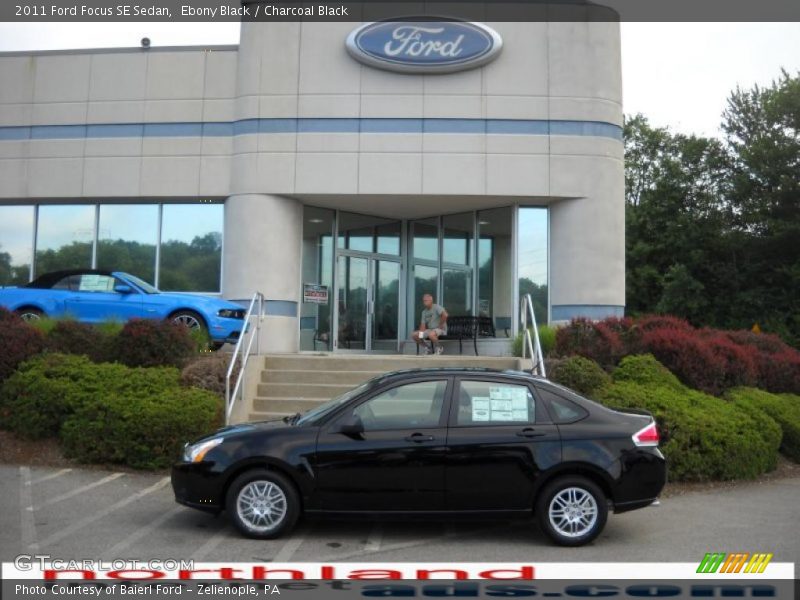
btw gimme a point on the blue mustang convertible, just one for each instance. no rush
(94, 296)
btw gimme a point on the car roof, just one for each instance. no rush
(48, 280)
(447, 371)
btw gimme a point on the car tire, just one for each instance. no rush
(30, 314)
(572, 510)
(267, 490)
(190, 319)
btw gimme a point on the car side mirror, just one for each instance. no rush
(350, 426)
(123, 289)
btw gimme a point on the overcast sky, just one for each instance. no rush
(678, 74)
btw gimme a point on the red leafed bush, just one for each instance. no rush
(688, 356)
(780, 372)
(73, 337)
(152, 343)
(740, 362)
(650, 322)
(765, 342)
(593, 340)
(18, 342)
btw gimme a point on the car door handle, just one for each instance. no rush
(418, 438)
(529, 432)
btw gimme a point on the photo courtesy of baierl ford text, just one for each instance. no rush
(383, 299)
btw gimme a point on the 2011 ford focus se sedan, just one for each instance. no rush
(432, 441)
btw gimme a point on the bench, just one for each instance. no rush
(466, 328)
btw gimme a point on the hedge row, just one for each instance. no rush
(138, 343)
(702, 436)
(708, 360)
(107, 412)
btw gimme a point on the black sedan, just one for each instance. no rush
(432, 441)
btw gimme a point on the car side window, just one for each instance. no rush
(562, 410)
(409, 406)
(494, 403)
(70, 282)
(91, 282)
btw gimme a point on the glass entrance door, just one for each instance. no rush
(368, 298)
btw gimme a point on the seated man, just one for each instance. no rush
(432, 324)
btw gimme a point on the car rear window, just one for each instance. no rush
(494, 403)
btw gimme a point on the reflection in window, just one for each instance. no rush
(425, 279)
(458, 232)
(64, 238)
(426, 239)
(364, 233)
(495, 280)
(457, 291)
(191, 247)
(532, 258)
(315, 318)
(408, 406)
(127, 236)
(16, 244)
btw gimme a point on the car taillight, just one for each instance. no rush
(647, 436)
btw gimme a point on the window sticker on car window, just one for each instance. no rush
(481, 409)
(94, 283)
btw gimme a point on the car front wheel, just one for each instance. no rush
(262, 504)
(30, 314)
(572, 511)
(189, 319)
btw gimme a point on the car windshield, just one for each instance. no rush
(315, 414)
(142, 285)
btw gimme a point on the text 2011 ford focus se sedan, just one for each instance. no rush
(432, 441)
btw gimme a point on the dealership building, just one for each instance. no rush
(341, 169)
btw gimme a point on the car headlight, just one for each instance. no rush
(231, 313)
(195, 453)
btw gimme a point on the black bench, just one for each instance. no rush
(465, 328)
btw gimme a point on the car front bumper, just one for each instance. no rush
(196, 485)
(222, 329)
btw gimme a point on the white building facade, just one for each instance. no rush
(342, 188)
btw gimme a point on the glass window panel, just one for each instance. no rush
(365, 233)
(64, 237)
(457, 291)
(457, 243)
(532, 249)
(426, 239)
(388, 241)
(408, 406)
(16, 244)
(191, 247)
(495, 283)
(425, 279)
(315, 318)
(127, 236)
(494, 403)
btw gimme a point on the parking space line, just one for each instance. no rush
(126, 543)
(375, 538)
(80, 490)
(78, 525)
(213, 541)
(27, 524)
(292, 545)
(51, 476)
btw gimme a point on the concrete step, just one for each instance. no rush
(319, 391)
(384, 363)
(305, 376)
(285, 406)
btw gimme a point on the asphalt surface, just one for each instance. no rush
(93, 514)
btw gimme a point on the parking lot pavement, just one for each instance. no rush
(93, 514)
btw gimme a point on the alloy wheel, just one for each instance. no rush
(187, 321)
(573, 512)
(261, 505)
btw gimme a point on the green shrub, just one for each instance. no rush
(580, 374)
(784, 409)
(35, 401)
(547, 338)
(703, 437)
(644, 369)
(153, 343)
(18, 342)
(144, 432)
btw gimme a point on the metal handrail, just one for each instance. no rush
(240, 349)
(534, 349)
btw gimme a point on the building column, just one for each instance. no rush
(262, 253)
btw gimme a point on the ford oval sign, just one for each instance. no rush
(424, 46)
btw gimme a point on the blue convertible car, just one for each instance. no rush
(94, 296)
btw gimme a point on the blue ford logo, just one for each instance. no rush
(424, 46)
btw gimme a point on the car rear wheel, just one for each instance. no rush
(30, 314)
(189, 319)
(572, 511)
(262, 504)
